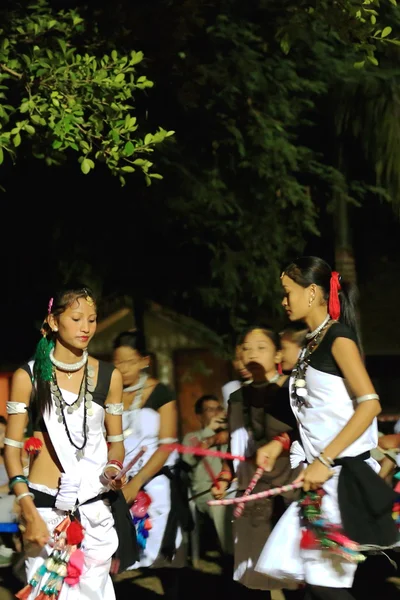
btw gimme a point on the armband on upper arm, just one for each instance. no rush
(13, 443)
(367, 397)
(115, 409)
(16, 408)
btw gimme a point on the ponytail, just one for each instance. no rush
(348, 296)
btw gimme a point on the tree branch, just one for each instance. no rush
(7, 70)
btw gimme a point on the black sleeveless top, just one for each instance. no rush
(99, 395)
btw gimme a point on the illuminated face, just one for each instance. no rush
(77, 324)
(259, 349)
(296, 300)
(130, 363)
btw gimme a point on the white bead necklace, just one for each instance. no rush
(69, 368)
(312, 334)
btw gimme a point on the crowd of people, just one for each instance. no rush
(93, 463)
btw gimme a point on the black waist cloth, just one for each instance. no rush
(127, 552)
(179, 515)
(365, 503)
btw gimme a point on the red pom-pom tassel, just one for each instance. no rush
(74, 533)
(33, 446)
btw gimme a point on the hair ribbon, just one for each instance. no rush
(334, 302)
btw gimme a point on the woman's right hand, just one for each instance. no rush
(35, 531)
(267, 455)
(220, 491)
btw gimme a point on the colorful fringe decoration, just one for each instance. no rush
(141, 518)
(318, 533)
(65, 563)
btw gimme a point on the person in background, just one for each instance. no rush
(213, 433)
(244, 376)
(292, 341)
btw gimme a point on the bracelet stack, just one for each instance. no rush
(283, 439)
(17, 479)
(326, 461)
(113, 464)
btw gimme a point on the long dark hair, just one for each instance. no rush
(42, 369)
(307, 270)
(133, 339)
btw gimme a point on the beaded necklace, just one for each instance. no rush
(85, 395)
(299, 388)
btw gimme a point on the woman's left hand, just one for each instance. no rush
(314, 476)
(131, 490)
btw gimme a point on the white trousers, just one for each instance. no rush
(99, 544)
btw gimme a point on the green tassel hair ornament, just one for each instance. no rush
(43, 367)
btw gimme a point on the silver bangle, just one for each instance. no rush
(25, 494)
(115, 409)
(13, 443)
(167, 441)
(115, 438)
(327, 458)
(367, 397)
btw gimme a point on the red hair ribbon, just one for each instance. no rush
(334, 302)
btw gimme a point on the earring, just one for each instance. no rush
(55, 329)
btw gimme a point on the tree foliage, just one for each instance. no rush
(60, 94)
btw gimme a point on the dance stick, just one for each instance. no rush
(388, 418)
(201, 451)
(274, 492)
(240, 507)
(131, 463)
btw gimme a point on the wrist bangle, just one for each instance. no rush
(17, 479)
(117, 463)
(283, 439)
(25, 494)
(110, 466)
(328, 459)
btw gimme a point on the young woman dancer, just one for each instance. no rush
(68, 526)
(149, 420)
(258, 412)
(335, 406)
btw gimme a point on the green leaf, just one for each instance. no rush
(17, 140)
(29, 129)
(387, 31)
(393, 2)
(119, 78)
(136, 57)
(1, 155)
(156, 176)
(128, 169)
(148, 139)
(57, 144)
(114, 55)
(85, 166)
(24, 107)
(373, 19)
(373, 60)
(129, 149)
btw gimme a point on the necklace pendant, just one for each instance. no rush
(69, 375)
(79, 454)
(300, 383)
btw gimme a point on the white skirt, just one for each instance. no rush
(282, 557)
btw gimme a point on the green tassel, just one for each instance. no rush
(43, 369)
